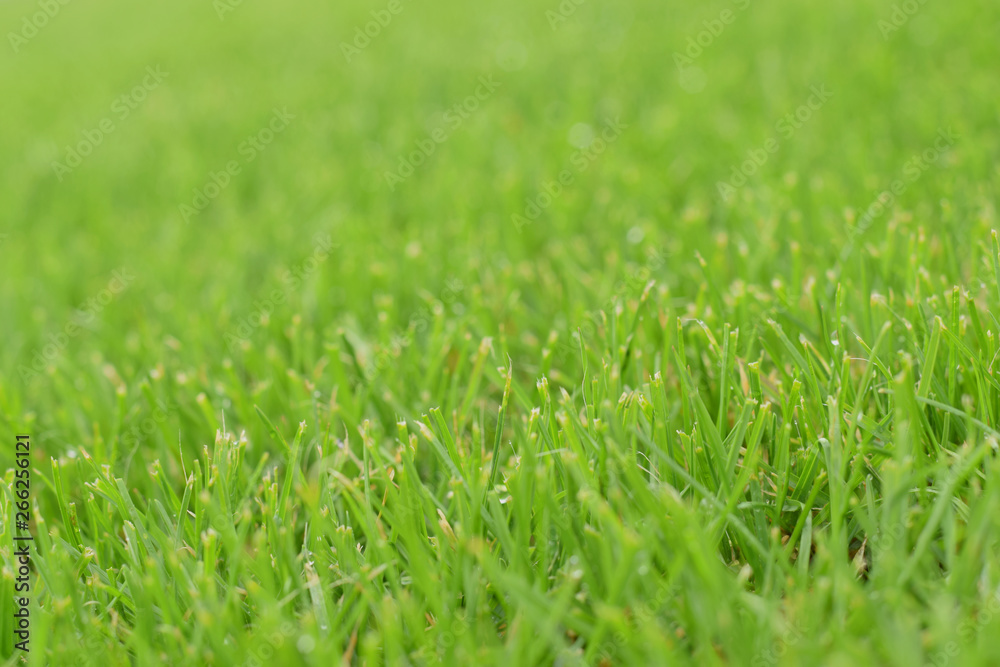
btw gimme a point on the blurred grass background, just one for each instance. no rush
(452, 218)
(353, 120)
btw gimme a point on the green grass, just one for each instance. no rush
(547, 400)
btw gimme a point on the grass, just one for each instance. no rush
(556, 397)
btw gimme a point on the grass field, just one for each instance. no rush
(577, 333)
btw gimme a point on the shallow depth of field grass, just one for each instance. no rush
(636, 367)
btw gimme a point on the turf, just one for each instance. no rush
(630, 333)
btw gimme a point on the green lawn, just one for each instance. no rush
(576, 333)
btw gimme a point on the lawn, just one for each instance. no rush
(569, 332)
